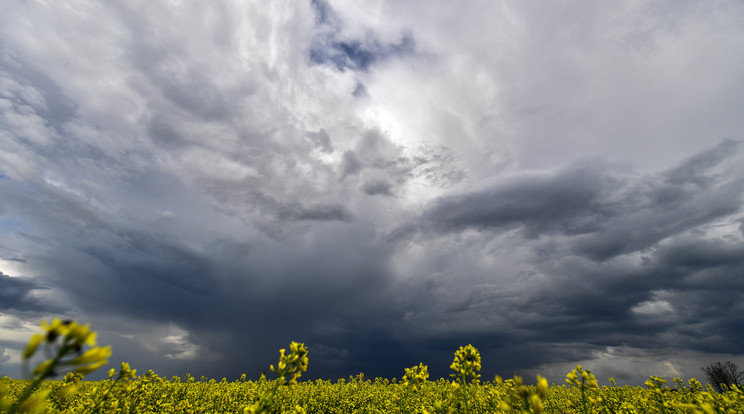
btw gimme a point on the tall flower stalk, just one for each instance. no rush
(63, 341)
(466, 364)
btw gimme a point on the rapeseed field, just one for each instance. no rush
(64, 343)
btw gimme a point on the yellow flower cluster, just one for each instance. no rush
(582, 379)
(416, 375)
(467, 362)
(292, 365)
(72, 337)
(586, 382)
(62, 340)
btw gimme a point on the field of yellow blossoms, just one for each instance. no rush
(64, 345)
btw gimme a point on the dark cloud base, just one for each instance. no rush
(601, 245)
(16, 295)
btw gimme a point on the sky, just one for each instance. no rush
(556, 183)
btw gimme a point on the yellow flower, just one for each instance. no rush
(42, 367)
(32, 346)
(536, 403)
(416, 375)
(66, 390)
(92, 367)
(54, 329)
(127, 372)
(34, 403)
(293, 364)
(80, 334)
(581, 379)
(92, 355)
(467, 361)
(542, 386)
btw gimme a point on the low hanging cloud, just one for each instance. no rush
(18, 295)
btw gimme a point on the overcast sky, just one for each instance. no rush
(554, 182)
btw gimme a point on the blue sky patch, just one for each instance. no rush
(353, 54)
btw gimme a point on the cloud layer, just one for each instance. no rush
(205, 183)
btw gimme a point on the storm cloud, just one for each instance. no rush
(555, 184)
(16, 294)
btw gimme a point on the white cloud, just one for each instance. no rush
(652, 308)
(181, 347)
(16, 330)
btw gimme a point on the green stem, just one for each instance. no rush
(38, 380)
(465, 393)
(268, 400)
(108, 391)
(583, 399)
(405, 399)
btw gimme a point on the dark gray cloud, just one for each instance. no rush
(377, 187)
(322, 141)
(351, 164)
(296, 211)
(383, 181)
(610, 215)
(571, 202)
(16, 294)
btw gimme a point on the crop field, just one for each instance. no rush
(126, 392)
